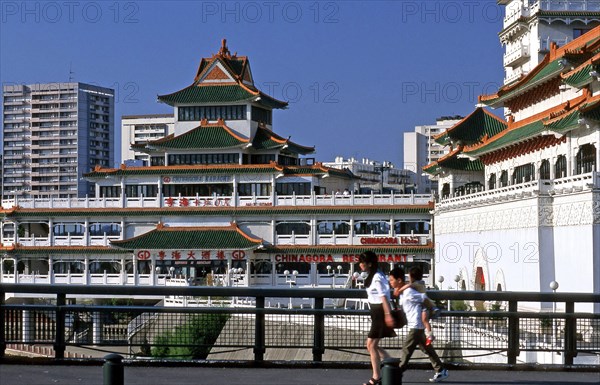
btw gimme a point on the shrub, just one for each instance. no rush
(192, 340)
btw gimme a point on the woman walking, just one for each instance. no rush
(378, 293)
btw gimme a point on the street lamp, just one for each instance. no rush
(381, 168)
(291, 281)
(441, 281)
(553, 286)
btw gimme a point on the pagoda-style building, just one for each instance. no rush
(225, 200)
(519, 203)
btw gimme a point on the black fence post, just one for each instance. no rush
(513, 333)
(570, 333)
(2, 320)
(259, 330)
(113, 370)
(391, 374)
(59, 342)
(319, 342)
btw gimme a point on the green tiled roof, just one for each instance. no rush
(513, 136)
(201, 137)
(546, 73)
(181, 170)
(238, 212)
(463, 164)
(582, 77)
(348, 249)
(195, 95)
(194, 238)
(263, 140)
(79, 250)
(472, 128)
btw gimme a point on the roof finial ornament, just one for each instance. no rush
(224, 51)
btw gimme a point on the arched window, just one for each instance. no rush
(586, 159)
(545, 169)
(445, 190)
(492, 181)
(560, 167)
(523, 173)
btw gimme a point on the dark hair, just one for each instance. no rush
(398, 273)
(370, 259)
(415, 273)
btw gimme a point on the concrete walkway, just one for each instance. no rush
(14, 374)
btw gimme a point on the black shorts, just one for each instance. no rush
(378, 327)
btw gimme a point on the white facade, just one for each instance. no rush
(538, 218)
(138, 129)
(53, 133)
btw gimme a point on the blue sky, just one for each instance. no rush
(357, 74)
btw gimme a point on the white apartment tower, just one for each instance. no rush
(420, 149)
(532, 26)
(140, 129)
(53, 133)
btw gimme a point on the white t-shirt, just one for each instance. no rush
(412, 304)
(379, 287)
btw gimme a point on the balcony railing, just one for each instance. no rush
(566, 5)
(220, 201)
(571, 184)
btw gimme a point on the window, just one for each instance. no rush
(262, 115)
(523, 173)
(293, 188)
(586, 159)
(249, 189)
(411, 227)
(147, 190)
(371, 227)
(579, 31)
(329, 227)
(560, 167)
(110, 229)
(492, 181)
(197, 113)
(289, 228)
(545, 169)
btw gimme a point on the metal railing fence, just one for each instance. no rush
(218, 331)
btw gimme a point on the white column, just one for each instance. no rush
(86, 270)
(123, 272)
(153, 275)
(16, 271)
(569, 156)
(50, 232)
(136, 279)
(50, 270)
(1, 269)
(86, 232)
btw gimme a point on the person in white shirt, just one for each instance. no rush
(412, 303)
(378, 295)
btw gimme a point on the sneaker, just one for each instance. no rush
(435, 313)
(429, 340)
(439, 376)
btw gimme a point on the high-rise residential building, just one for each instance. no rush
(420, 149)
(531, 27)
(53, 133)
(140, 129)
